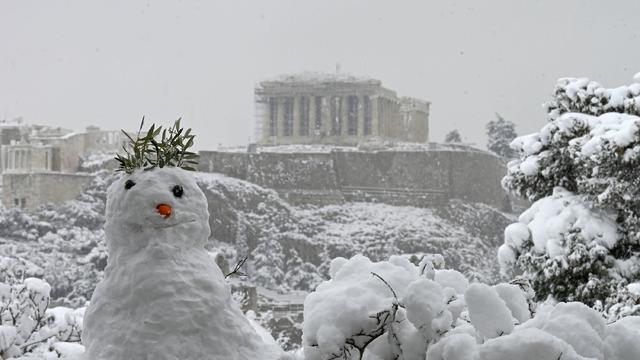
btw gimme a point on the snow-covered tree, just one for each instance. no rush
(268, 257)
(500, 134)
(453, 136)
(581, 239)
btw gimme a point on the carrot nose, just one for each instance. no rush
(164, 210)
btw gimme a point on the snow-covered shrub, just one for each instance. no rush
(28, 327)
(397, 310)
(357, 310)
(581, 239)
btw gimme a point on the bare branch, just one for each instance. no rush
(236, 271)
(386, 283)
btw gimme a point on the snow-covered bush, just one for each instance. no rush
(581, 240)
(397, 310)
(28, 327)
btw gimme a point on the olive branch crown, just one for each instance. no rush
(158, 147)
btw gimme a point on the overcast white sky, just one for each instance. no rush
(107, 63)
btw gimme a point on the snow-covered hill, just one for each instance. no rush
(289, 247)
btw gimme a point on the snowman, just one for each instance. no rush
(162, 296)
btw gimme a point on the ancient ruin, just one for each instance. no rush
(41, 164)
(339, 109)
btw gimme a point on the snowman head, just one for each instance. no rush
(156, 202)
(163, 206)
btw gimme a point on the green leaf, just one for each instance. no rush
(127, 135)
(148, 152)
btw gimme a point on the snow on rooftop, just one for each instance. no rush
(293, 148)
(97, 159)
(316, 76)
(368, 146)
(11, 123)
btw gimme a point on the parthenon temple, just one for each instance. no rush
(340, 109)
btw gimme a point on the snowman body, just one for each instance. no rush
(163, 297)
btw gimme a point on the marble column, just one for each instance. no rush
(360, 115)
(375, 111)
(343, 110)
(327, 121)
(280, 107)
(304, 115)
(296, 118)
(272, 107)
(383, 117)
(312, 115)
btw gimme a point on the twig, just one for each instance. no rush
(37, 342)
(236, 270)
(386, 283)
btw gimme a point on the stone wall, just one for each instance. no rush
(71, 150)
(417, 178)
(393, 169)
(476, 177)
(29, 190)
(228, 163)
(302, 171)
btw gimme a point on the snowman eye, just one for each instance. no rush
(177, 191)
(129, 184)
